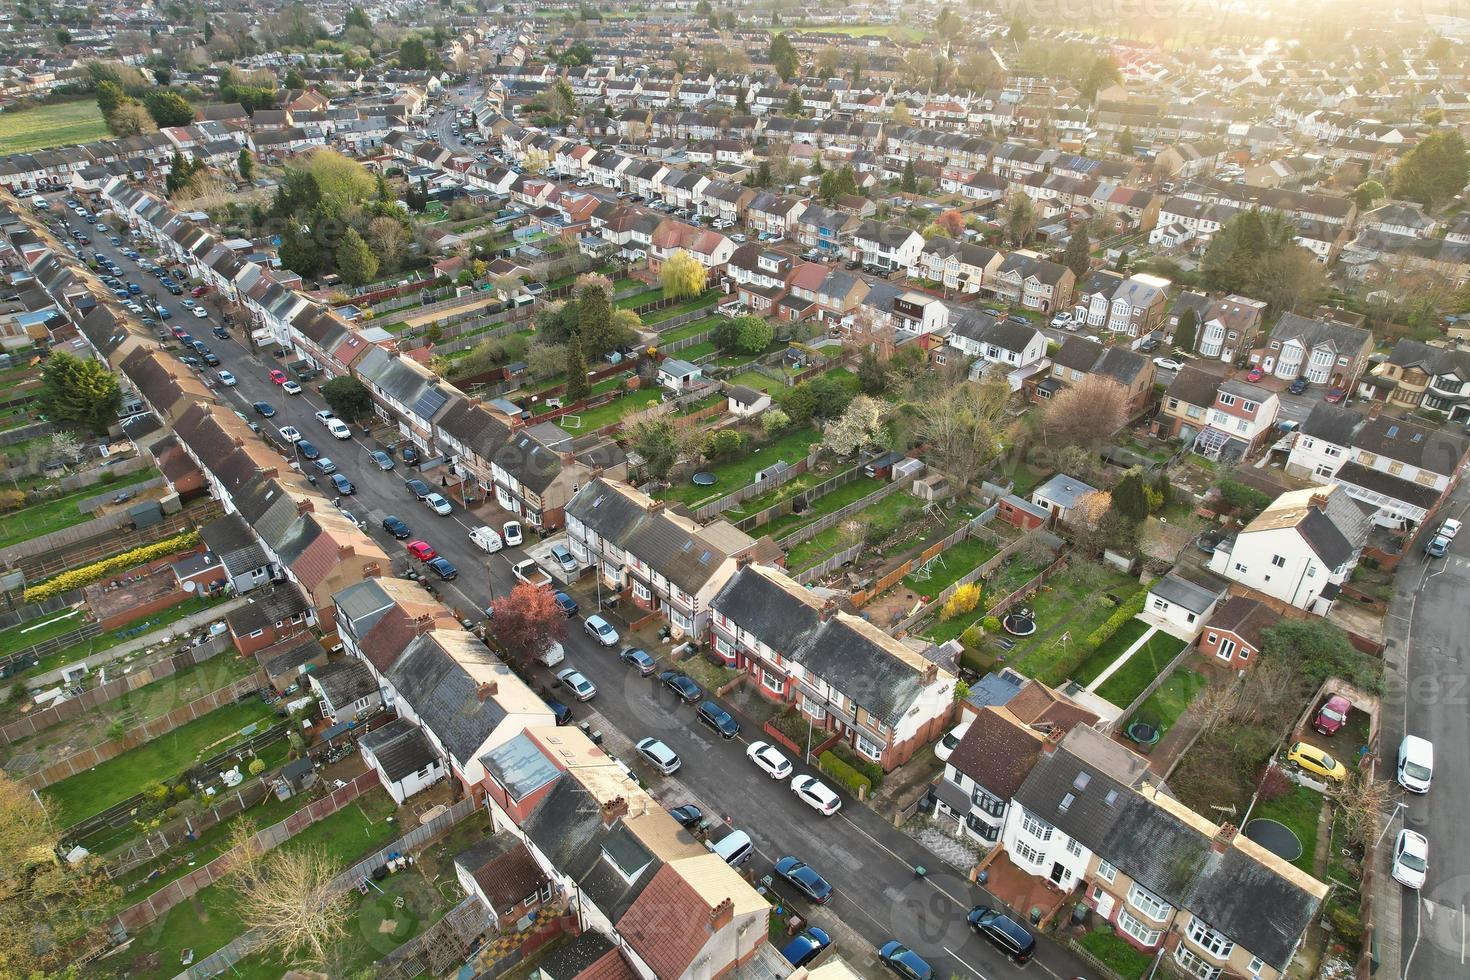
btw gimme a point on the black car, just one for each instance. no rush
(1019, 319)
(443, 568)
(688, 815)
(307, 450)
(409, 453)
(418, 488)
(805, 879)
(719, 719)
(397, 528)
(263, 409)
(221, 333)
(210, 358)
(688, 691)
(173, 290)
(566, 603)
(1002, 932)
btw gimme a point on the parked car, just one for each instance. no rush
(769, 759)
(1297, 387)
(422, 550)
(439, 504)
(307, 449)
(564, 559)
(688, 816)
(1333, 715)
(804, 948)
(688, 691)
(1254, 374)
(576, 682)
(1449, 529)
(1062, 319)
(1437, 546)
(1168, 364)
(384, 461)
(639, 659)
(805, 879)
(1410, 859)
(659, 755)
(567, 604)
(1335, 394)
(418, 488)
(1309, 758)
(443, 568)
(950, 741)
(904, 961)
(1002, 932)
(264, 409)
(486, 539)
(396, 527)
(816, 795)
(601, 630)
(409, 453)
(344, 486)
(325, 466)
(719, 719)
(323, 416)
(277, 376)
(290, 433)
(336, 427)
(511, 531)
(292, 388)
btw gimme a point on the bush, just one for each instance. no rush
(991, 623)
(1347, 924)
(964, 600)
(87, 574)
(256, 767)
(867, 767)
(773, 420)
(1247, 499)
(849, 778)
(1115, 622)
(973, 635)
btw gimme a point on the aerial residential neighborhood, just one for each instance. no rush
(696, 489)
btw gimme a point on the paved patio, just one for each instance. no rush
(1019, 889)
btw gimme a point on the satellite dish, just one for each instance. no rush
(190, 585)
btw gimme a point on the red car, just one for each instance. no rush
(1335, 395)
(422, 550)
(1256, 374)
(1333, 715)
(198, 291)
(279, 377)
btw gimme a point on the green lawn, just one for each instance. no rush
(60, 124)
(1068, 608)
(952, 565)
(1165, 705)
(613, 411)
(693, 354)
(29, 634)
(1111, 650)
(688, 330)
(1116, 953)
(163, 758)
(61, 512)
(1129, 680)
(1299, 809)
(817, 548)
(710, 298)
(106, 641)
(735, 473)
(843, 495)
(760, 382)
(640, 299)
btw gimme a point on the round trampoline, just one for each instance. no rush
(703, 478)
(1019, 623)
(1275, 837)
(1143, 733)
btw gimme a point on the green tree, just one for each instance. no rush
(722, 444)
(412, 53)
(1434, 171)
(793, 102)
(784, 57)
(753, 334)
(168, 108)
(910, 181)
(299, 253)
(245, 163)
(578, 387)
(294, 80)
(1367, 194)
(1130, 500)
(349, 398)
(1102, 73)
(682, 275)
(594, 321)
(1078, 254)
(357, 17)
(1125, 142)
(79, 390)
(355, 261)
(657, 442)
(1184, 334)
(109, 97)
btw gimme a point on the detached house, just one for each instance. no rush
(852, 680)
(1185, 409)
(1300, 549)
(1417, 373)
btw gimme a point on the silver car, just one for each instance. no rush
(659, 755)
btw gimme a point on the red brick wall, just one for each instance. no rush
(1212, 649)
(1015, 516)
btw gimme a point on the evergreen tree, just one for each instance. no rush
(355, 261)
(1130, 500)
(577, 385)
(910, 179)
(1078, 256)
(246, 164)
(1184, 334)
(594, 321)
(109, 97)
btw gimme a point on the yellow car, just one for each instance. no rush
(1316, 762)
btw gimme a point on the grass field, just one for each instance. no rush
(818, 548)
(1164, 706)
(62, 124)
(117, 779)
(1111, 649)
(1147, 662)
(1300, 810)
(29, 634)
(107, 641)
(735, 473)
(62, 512)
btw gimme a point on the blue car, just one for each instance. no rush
(904, 961)
(567, 604)
(307, 450)
(805, 947)
(344, 486)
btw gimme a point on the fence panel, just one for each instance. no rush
(975, 574)
(833, 519)
(781, 508)
(771, 481)
(831, 564)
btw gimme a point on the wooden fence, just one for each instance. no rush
(220, 961)
(1153, 686)
(1001, 607)
(827, 566)
(165, 666)
(831, 520)
(788, 506)
(165, 837)
(770, 481)
(896, 575)
(975, 574)
(147, 732)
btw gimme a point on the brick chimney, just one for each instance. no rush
(1319, 501)
(486, 690)
(828, 610)
(655, 506)
(1053, 739)
(722, 915)
(614, 810)
(1221, 841)
(422, 623)
(345, 551)
(567, 459)
(304, 507)
(930, 674)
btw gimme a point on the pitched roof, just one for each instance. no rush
(1245, 617)
(401, 748)
(668, 924)
(997, 751)
(504, 869)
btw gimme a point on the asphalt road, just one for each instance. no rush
(1432, 699)
(869, 862)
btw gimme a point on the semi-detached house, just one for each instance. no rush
(851, 680)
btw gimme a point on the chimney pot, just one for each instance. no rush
(613, 810)
(722, 915)
(1221, 841)
(344, 551)
(655, 506)
(829, 608)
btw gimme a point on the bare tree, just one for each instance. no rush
(287, 895)
(1363, 800)
(964, 425)
(1085, 414)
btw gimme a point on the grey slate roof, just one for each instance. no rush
(520, 766)
(345, 681)
(233, 543)
(401, 748)
(445, 697)
(266, 607)
(1193, 596)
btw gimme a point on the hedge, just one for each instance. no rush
(866, 767)
(857, 784)
(87, 574)
(1113, 623)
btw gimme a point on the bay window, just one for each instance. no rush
(1209, 940)
(1195, 965)
(1148, 903)
(1039, 829)
(1140, 932)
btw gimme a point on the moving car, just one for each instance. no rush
(1309, 758)
(601, 630)
(904, 961)
(1002, 932)
(512, 532)
(1410, 859)
(439, 504)
(804, 878)
(443, 568)
(575, 681)
(804, 948)
(396, 527)
(950, 741)
(659, 755)
(770, 759)
(344, 486)
(816, 795)
(1168, 364)
(1416, 763)
(1333, 715)
(638, 658)
(719, 719)
(384, 461)
(688, 691)
(422, 550)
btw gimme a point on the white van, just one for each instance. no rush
(1416, 763)
(40, 203)
(554, 655)
(486, 539)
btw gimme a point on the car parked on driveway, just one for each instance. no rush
(804, 948)
(688, 691)
(511, 531)
(1298, 386)
(688, 815)
(1168, 364)
(1309, 758)
(564, 559)
(600, 630)
(719, 719)
(1333, 715)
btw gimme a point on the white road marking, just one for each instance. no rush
(961, 961)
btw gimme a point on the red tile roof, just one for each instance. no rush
(668, 924)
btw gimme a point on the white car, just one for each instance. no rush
(1062, 319)
(951, 740)
(659, 755)
(486, 539)
(816, 795)
(188, 304)
(575, 681)
(292, 388)
(337, 427)
(1168, 364)
(324, 417)
(290, 433)
(200, 312)
(1449, 528)
(512, 532)
(438, 504)
(770, 759)
(1410, 859)
(226, 378)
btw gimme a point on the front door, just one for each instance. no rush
(1058, 873)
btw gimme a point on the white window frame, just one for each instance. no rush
(1148, 903)
(1195, 965)
(1035, 826)
(767, 676)
(868, 748)
(1107, 872)
(1138, 930)
(1216, 944)
(642, 591)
